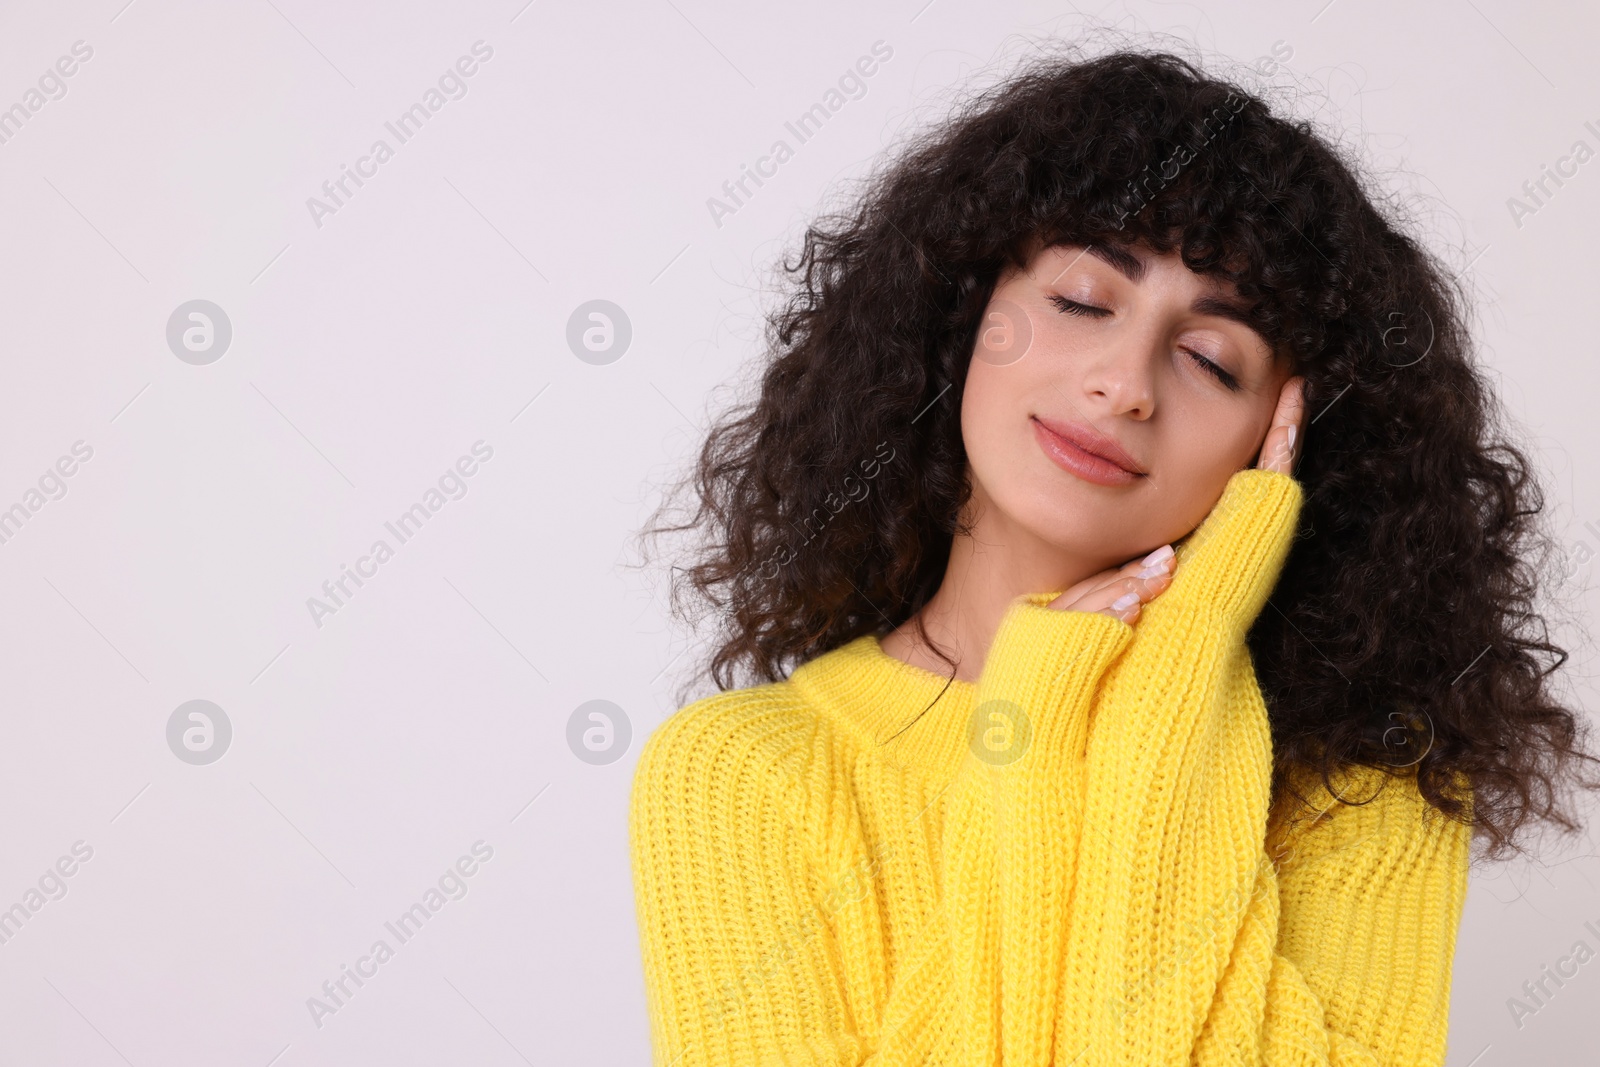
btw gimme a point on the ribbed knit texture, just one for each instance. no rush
(1074, 861)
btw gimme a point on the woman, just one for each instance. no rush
(998, 795)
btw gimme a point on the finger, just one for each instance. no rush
(1129, 603)
(1124, 598)
(1110, 583)
(1096, 581)
(1278, 451)
(1120, 591)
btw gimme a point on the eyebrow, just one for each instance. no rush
(1127, 264)
(1132, 267)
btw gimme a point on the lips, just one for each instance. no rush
(1085, 453)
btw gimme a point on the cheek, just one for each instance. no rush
(985, 401)
(1201, 455)
(1208, 431)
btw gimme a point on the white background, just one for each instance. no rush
(368, 353)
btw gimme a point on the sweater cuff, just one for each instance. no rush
(1227, 567)
(1039, 677)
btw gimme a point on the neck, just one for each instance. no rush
(989, 568)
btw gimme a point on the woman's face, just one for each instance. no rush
(1106, 345)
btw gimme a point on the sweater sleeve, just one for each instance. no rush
(739, 962)
(1370, 891)
(1184, 943)
(1011, 829)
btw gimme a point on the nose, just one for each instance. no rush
(1120, 375)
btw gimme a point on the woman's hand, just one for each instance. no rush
(1121, 591)
(1278, 451)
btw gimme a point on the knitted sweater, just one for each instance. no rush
(1075, 860)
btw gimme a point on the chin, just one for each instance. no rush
(1074, 516)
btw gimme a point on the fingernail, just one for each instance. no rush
(1125, 601)
(1158, 557)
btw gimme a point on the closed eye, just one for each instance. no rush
(1072, 307)
(1094, 311)
(1228, 381)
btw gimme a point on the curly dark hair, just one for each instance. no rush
(1403, 633)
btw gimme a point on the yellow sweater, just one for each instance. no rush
(1074, 861)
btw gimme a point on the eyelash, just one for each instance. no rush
(1072, 307)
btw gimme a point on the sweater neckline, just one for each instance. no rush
(903, 713)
